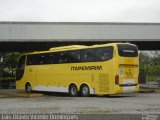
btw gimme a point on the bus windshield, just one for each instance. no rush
(126, 50)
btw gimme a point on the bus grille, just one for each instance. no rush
(103, 83)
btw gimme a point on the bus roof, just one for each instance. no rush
(74, 47)
(67, 47)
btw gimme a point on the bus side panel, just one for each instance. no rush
(104, 80)
(58, 77)
(28, 77)
(20, 85)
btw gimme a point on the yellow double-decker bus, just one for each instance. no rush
(99, 69)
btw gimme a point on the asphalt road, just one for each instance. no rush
(135, 103)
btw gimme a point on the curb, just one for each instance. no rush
(154, 88)
(158, 91)
(24, 95)
(146, 90)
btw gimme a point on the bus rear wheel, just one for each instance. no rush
(85, 92)
(28, 88)
(73, 90)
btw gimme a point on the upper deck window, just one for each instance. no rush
(127, 50)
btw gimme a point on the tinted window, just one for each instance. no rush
(127, 50)
(68, 57)
(31, 59)
(39, 59)
(50, 58)
(102, 54)
(74, 56)
(62, 57)
(87, 55)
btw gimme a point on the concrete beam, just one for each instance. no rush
(78, 32)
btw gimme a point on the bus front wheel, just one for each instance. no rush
(73, 90)
(85, 92)
(28, 88)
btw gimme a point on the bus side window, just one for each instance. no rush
(68, 57)
(31, 59)
(102, 54)
(87, 55)
(50, 59)
(61, 57)
(41, 59)
(74, 56)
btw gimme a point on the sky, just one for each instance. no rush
(80, 10)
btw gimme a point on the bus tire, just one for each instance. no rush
(73, 90)
(84, 90)
(28, 88)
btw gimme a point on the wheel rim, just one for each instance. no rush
(85, 91)
(73, 90)
(28, 88)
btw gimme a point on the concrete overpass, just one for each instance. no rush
(31, 36)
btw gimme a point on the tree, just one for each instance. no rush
(150, 59)
(8, 63)
(156, 58)
(150, 65)
(145, 61)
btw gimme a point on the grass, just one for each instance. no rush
(152, 78)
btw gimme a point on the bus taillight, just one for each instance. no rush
(117, 79)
